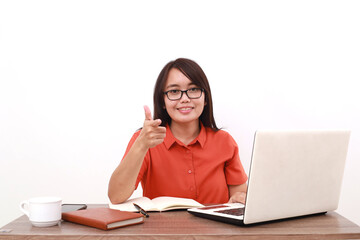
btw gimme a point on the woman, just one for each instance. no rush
(181, 152)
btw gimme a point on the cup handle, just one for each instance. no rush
(22, 207)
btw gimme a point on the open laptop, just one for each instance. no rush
(292, 174)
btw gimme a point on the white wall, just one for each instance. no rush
(74, 76)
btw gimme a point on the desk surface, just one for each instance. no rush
(181, 224)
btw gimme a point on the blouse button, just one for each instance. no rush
(189, 171)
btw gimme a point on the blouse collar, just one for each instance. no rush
(170, 139)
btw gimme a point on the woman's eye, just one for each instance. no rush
(174, 91)
(192, 89)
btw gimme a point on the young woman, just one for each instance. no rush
(181, 152)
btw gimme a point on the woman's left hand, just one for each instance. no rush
(238, 197)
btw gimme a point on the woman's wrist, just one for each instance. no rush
(140, 145)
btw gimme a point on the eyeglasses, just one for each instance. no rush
(192, 93)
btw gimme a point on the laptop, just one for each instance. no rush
(292, 174)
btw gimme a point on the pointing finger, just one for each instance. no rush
(156, 122)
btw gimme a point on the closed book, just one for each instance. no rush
(103, 218)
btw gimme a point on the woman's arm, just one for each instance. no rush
(237, 193)
(123, 179)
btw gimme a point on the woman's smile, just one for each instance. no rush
(185, 109)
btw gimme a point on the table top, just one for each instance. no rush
(181, 224)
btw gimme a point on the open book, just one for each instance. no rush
(158, 204)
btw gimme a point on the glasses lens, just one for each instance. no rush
(174, 94)
(194, 93)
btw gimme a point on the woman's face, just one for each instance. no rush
(184, 110)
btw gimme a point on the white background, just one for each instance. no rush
(74, 76)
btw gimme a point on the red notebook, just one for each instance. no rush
(103, 218)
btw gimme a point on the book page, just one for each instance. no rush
(143, 202)
(170, 203)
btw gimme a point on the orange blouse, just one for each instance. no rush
(201, 170)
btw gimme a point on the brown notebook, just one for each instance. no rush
(103, 218)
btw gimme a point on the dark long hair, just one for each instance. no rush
(197, 76)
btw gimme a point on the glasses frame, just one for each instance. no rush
(186, 92)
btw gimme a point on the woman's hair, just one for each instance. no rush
(197, 76)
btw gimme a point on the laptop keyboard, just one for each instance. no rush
(233, 211)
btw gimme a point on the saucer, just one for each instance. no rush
(45, 224)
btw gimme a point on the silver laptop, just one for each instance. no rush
(292, 174)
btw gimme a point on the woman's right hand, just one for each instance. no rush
(152, 133)
(123, 179)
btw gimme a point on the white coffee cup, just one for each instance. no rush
(42, 211)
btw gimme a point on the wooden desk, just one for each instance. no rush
(182, 225)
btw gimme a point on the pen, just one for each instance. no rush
(142, 211)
